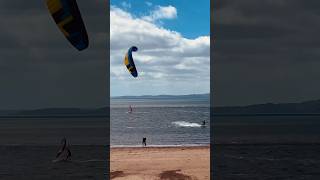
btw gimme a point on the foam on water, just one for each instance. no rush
(160, 125)
(185, 124)
(136, 112)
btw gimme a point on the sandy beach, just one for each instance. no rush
(153, 163)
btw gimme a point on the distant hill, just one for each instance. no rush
(64, 111)
(303, 108)
(307, 107)
(101, 112)
(56, 112)
(167, 97)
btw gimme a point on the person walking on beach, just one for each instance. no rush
(144, 141)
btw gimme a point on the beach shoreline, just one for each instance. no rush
(165, 162)
(159, 146)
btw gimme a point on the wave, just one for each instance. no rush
(136, 112)
(132, 127)
(186, 124)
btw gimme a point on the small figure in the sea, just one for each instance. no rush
(130, 109)
(203, 123)
(144, 141)
(64, 152)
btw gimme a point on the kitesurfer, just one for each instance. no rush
(130, 109)
(144, 141)
(64, 152)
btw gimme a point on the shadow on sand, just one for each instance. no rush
(116, 174)
(174, 175)
(165, 175)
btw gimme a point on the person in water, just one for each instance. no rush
(144, 141)
(203, 123)
(64, 152)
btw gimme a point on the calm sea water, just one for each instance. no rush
(161, 122)
(50, 131)
(289, 129)
(29, 145)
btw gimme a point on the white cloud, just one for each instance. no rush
(164, 57)
(148, 3)
(161, 12)
(125, 4)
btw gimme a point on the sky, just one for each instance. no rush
(173, 38)
(39, 68)
(266, 51)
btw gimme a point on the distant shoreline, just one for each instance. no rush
(265, 114)
(160, 146)
(107, 116)
(163, 96)
(53, 116)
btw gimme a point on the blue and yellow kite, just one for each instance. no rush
(128, 61)
(67, 16)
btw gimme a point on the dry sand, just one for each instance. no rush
(160, 163)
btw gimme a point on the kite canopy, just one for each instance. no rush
(67, 16)
(128, 61)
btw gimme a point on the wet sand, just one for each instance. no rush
(135, 163)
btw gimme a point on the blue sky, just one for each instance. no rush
(193, 16)
(173, 38)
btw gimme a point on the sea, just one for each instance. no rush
(265, 146)
(162, 122)
(29, 145)
(266, 129)
(48, 131)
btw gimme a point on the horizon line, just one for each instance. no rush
(160, 95)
